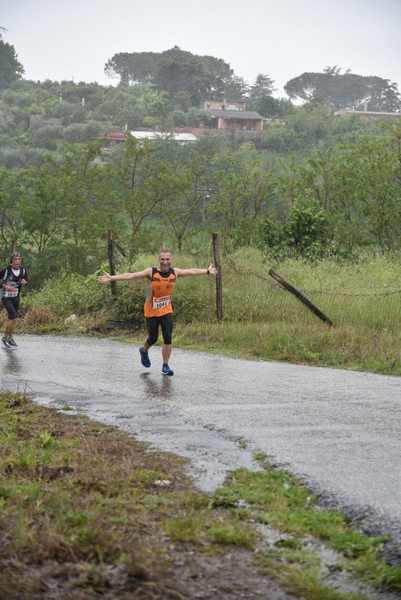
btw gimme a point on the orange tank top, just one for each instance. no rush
(159, 298)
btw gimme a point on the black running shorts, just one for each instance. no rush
(11, 305)
(153, 324)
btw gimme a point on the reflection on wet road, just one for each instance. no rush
(341, 429)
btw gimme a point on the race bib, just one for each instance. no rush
(9, 293)
(161, 302)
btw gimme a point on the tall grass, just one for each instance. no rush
(363, 299)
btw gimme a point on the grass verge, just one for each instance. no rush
(86, 511)
(261, 320)
(275, 498)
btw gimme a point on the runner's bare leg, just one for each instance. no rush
(166, 352)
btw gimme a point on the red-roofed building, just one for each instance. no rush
(232, 116)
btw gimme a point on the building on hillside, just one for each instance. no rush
(232, 116)
(236, 119)
(114, 137)
(223, 105)
(178, 136)
(117, 137)
(368, 114)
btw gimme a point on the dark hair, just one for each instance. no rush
(15, 255)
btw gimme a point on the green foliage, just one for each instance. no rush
(46, 439)
(346, 90)
(277, 498)
(184, 76)
(262, 100)
(44, 137)
(305, 234)
(313, 126)
(70, 293)
(10, 68)
(337, 200)
(233, 534)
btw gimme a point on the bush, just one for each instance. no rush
(38, 315)
(75, 133)
(44, 137)
(179, 118)
(21, 156)
(70, 293)
(307, 234)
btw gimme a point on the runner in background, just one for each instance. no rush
(12, 278)
(158, 307)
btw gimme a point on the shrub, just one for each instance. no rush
(307, 234)
(70, 293)
(75, 133)
(38, 315)
(44, 136)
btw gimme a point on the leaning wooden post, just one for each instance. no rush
(219, 286)
(301, 297)
(111, 260)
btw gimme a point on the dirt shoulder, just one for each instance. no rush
(89, 512)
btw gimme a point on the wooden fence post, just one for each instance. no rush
(219, 287)
(110, 254)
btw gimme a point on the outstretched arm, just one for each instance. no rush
(106, 277)
(211, 270)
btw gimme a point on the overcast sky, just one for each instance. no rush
(65, 39)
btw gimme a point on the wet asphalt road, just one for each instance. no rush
(341, 430)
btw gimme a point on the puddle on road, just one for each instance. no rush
(212, 453)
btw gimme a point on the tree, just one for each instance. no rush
(181, 74)
(10, 68)
(236, 89)
(42, 206)
(11, 227)
(357, 188)
(306, 233)
(134, 67)
(80, 182)
(262, 101)
(180, 71)
(345, 90)
(189, 190)
(240, 192)
(142, 183)
(263, 86)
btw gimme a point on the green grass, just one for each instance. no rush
(261, 320)
(81, 497)
(276, 498)
(236, 534)
(299, 574)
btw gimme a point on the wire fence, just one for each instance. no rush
(311, 292)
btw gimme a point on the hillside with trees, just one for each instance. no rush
(311, 184)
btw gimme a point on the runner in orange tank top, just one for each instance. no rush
(158, 307)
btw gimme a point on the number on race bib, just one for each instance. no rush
(161, 302)
(9, 293)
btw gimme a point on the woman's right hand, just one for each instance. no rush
(105, 278)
